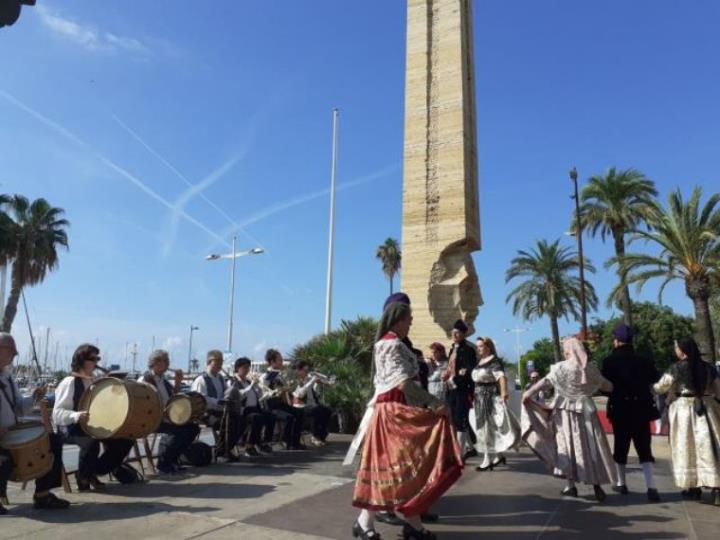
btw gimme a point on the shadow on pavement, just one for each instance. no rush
(198, 490)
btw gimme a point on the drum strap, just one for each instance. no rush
(13, 402)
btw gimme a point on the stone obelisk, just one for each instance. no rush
(441, 214)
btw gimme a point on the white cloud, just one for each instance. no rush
(87, 36)
(172, 342)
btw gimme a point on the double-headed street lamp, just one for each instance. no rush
(233, 256)
(578, 230)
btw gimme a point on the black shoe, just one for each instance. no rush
(96, 483)
(370, 534)
(470, 453)
(391, 518)
(83, 484)
(266, 448)
(501, 461)
(3, 510)
(569, 492)
(599, 493)
(429, 517)
(251, 452)
(165, 469)
(622, 490)
(692, 494)
(653, 495)
(410, 533)
(716, 496)
(232, 458)
(50, 502)
(480, 468)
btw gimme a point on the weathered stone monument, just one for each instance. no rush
(441, 216)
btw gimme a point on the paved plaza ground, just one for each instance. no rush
(306, 495)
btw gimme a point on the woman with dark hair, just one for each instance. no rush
(410, 456)
(66, 414)
(693, 389)
(495, 426)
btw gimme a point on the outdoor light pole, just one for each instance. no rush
(517, 331)
(578, 235)
(192, 329)
(331, 239)
(234, 255)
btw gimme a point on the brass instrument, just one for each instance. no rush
(285, 383)
(327, 379)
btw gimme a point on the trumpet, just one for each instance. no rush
(327, 379)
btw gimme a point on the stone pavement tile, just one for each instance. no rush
(244, 530)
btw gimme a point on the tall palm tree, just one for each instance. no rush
(615, 204)
(689, 239)
(30, 235)
(549, 286)
(390, 256)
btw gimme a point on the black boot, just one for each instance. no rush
(370, 534)
(49, 502)
(411, 533)
(599, 493)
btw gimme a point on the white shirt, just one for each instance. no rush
(198, 385)
(160, 385)
(248, 391)
(63, 413)
(23, 406)
(306, 391)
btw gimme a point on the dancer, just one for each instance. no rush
(401, 416)
(496, 428)
(569, 437)
(631, 407)
(463, 359)
(437, 364)
(694, 415)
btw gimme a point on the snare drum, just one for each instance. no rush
(120, 409)
(184, 409)
(29, 446)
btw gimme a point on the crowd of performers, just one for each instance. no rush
(241, 408)
(426, 417)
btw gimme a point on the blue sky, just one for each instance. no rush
(159, 126)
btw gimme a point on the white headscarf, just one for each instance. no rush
(575, 352)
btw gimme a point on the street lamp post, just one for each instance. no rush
(578, 236)
(517, 331)
(233, 256)
(192, 329)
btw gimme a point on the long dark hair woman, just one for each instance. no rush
(693, 389)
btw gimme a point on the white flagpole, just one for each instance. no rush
(331, 240)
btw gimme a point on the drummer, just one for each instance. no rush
(12, 406)
(66, 415)
(212, 386)
(176, 439)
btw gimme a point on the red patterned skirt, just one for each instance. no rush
(410, 458)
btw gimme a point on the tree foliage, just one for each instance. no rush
(391, 258)
(542, 356)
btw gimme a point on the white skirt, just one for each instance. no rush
(500, 433)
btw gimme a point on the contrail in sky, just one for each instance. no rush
(182, 177)
(110, 163)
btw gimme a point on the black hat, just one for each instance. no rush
(461, 326)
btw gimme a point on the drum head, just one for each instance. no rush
(179, 410)
(21, 434)
(108, 408)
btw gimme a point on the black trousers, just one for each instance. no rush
(459, 405)
(175, 440)
(320, 415)
(293, 418)
(262, 425)
(51, 480)
(635, 429)
(90, 462)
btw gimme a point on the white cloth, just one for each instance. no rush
(199, 385)
(162, 390)
(307, 392)
(248, 390)
(22, 407)
(63, 413)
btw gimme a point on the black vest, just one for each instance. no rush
(210, 386)
(78, 388)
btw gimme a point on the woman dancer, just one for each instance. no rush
(694, 421)
(410, 456)
(437, 364)
(569, 436)
(496, 428)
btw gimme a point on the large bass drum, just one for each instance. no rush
(29, 445)
(184, 409)
(120, 409)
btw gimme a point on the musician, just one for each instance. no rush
(175, 439)
(66, 415)
(12, 406)
(212, 386)
(244, 394)
(306, 396)
(280, 405)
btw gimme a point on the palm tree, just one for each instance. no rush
(549, 285)
(30, 235)
(616, 204)
(390, 256)
(689, 240)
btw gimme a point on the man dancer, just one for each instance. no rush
(463, 358)
(12, 406)
(630, 407)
